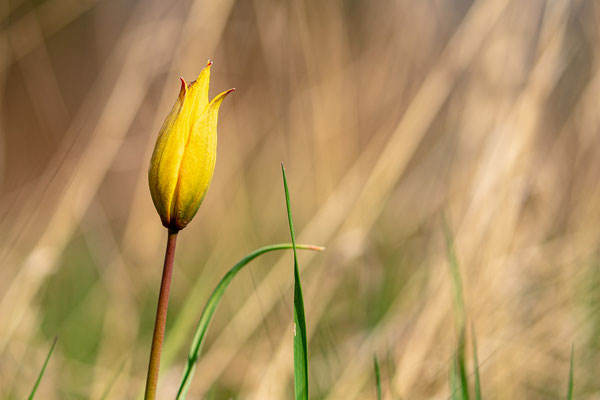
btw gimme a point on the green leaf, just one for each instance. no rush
(476, 366)
(570, 388)
(377, 376)
(39, 379)
(455, 390)
(300, 346)
(211, 306)
(459, 311)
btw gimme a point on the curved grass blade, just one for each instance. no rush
(570, 388)
(300, 345)
(377, 377)
(211, 306)
(459, 311)
(39, 379)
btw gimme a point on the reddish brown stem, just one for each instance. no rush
(161, 318)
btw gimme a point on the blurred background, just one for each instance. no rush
(388, 115)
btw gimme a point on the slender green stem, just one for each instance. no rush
(161, 318)
(39, 379)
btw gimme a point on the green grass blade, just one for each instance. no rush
(462, 367)
(570, 388)
(476, 366)
(300, 346)
(377, 376)
(455, 391)
(459, 311)
(211, 306)
(39, 379)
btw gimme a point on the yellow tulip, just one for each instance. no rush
(183, 161)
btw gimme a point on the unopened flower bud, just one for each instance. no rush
(183, 161)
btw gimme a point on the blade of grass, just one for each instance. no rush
(459, 310)
(462, 367)
(377, 376)
(300, 346)
(570, 388)
(211, 306)
(39, 379)
(476, 365)
(454, 386)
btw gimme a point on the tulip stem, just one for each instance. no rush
(161, 318)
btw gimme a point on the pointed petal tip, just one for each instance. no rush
(205, 73)
(217, 100)
(183, 87)
(225, 93)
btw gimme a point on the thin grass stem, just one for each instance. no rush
(43, 370)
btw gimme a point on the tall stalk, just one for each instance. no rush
(161, 317)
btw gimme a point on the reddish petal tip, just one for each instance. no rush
(183, 89)
(209, 63)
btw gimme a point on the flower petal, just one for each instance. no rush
(199, 93)
(167, 155)
(198, 164)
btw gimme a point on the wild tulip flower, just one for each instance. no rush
(183, 161)
(180, 173)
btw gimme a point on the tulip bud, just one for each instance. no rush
(183, 161)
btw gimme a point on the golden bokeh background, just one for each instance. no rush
(389, 115)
